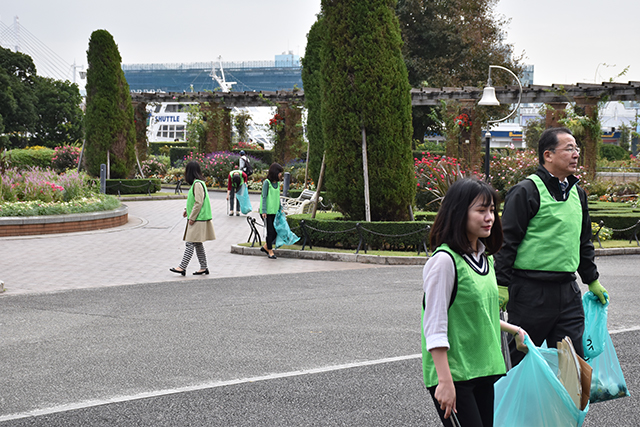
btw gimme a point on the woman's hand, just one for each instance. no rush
(191, 222)
(446, 395)
(184, 214)
(228, 195)
(520, 345)
(264, 216)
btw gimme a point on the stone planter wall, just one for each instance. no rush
(52, 224)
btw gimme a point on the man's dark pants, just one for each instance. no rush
(546, 311)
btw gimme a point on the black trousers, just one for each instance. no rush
(271, 231)
(547, 311)
(233, 201)
(474, 402)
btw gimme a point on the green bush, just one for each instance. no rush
(397, 235)
(28, 158)
(131, 186)
(265, 156)
(156, 148)
(65, 157)
(613, 152)
(177, 154)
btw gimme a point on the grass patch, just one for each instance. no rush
(616, 244)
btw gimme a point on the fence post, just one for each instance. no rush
(103, 178)
(285, 184)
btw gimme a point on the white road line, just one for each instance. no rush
(119, 399)
(205, 386)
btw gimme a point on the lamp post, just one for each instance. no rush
(489, 98)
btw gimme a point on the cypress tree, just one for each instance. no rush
(312, 81)
(109, 123)
(365, 83)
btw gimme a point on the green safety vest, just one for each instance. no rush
(552, 241)
(273, 198)
(205, 210)
(473, 326)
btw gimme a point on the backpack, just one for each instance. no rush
(248, 169)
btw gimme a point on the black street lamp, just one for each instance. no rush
(489, 98)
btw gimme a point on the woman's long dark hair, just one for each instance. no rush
(192, 172)
(450, 225)
(274, 172)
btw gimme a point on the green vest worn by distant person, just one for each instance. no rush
(205, 210)
(552, 241)
(473, 326)
(273, 198)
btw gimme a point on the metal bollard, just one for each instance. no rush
(285, 184)
(103, 178)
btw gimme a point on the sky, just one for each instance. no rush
(567, 41)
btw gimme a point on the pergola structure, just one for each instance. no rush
(558, 96)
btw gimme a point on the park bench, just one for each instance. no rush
(299, 205)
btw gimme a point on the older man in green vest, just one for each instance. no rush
(547, 238)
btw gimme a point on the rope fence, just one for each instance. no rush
(635, 227)
(254, 235)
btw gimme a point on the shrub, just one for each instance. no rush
(435, 174)
(23, 159)
(510, 168)
(131, 186)
(42, 185)
(613, 152)
(153, 167)
(65, 157)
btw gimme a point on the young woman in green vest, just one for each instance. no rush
(461, 353)
(199, 227)
(270, 205)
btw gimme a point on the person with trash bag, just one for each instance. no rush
(234, 181)
(270, 206)
(547, 238)
(461, 326)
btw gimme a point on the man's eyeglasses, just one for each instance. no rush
(569, 150)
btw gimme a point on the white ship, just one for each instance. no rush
(168, 120)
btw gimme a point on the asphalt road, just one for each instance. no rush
(329, 348)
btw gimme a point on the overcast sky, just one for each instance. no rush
(568, 41)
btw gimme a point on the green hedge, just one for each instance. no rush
(131, 186)
(265, 156)
(178, 153)
(24, 159)
(377, 235)
(154, 147)
(617, 221)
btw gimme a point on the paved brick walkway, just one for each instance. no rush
(140, 252)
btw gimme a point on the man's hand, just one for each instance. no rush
(503, 297)
(599, 291)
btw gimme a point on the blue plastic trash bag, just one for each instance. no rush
(284, 234)
(607, 380)
(243, 198)
(531, 395)
(595, 325)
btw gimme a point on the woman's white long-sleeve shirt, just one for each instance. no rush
(438, 279)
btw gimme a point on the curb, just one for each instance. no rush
(382, 260)
(334, 256)
(617, 251)
(54, 224)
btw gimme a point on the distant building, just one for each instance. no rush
(284, 73)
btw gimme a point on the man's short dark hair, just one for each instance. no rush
(549, 141)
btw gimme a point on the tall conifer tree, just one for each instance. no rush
(312, 81)
(109, 122)
(365, 84)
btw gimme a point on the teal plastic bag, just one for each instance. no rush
(607, 380)
(595, 325)
(284, 234)
(531, 395)
(243, 198)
